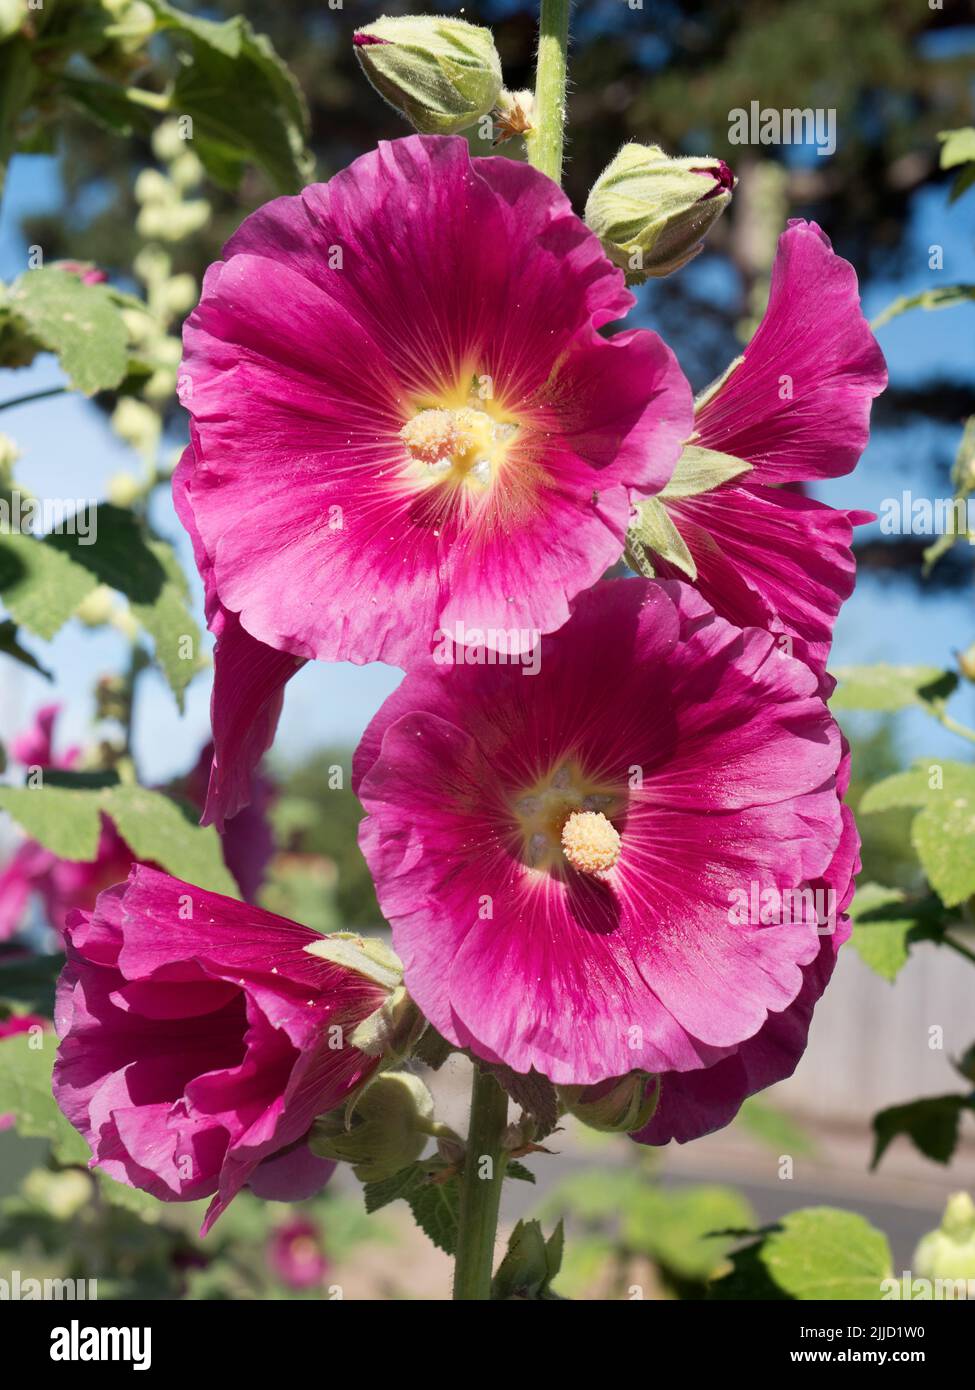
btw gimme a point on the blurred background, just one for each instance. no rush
(896, 75)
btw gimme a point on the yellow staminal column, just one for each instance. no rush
(465, 446)
(591, 842)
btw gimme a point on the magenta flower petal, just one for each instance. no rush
(248, 681)
(716, 763)
(403, 416)
(797, 406)
(695, 1103)
(198, 1040)
(772, 557)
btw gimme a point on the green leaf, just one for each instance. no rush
(148, 573)
(943, 833)
(684, 1230)
(654, 533)
(585, 1259)
(957, 146)
(823, 1253)
(886, 925)
(107, 105)
(530, 1263)
(910, 788)
(589, 1198)
(158, 829)
(40, 586)
(65, 822)
(930, 1123)
(781, 1133)
(10, 646)
(25, 1092)
(435, 1205)
(962, 183)
(27, 984)
(154, 826)
(891, 688)
(699, 470)
(943, 836)
(245, 104)
(944, 297)
(962, 481)
(119, 555)
(170, 623)
(514, 1169)
(79, 322)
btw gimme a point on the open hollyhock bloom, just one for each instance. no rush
(405, 421)
(796, 407)
(569, 860)
(200, 1039)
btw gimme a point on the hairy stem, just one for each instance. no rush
(480, 1191)
(544, 141)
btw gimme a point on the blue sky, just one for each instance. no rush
(69, 450)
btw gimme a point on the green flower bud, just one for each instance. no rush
(949, 1252)
(441, 74)
(383, 1130)
(621, 1105)
(652, 212)
(97, 608)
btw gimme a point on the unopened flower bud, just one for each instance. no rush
(124, 489)
(97, 607)
(652, 212)
(384, 1130)
(949, 1252)
(621, 1105)
(442, 74)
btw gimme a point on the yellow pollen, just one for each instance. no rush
(466, 444)
(590, 841)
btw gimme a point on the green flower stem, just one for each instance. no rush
(480, 1196)
(34, 396)
(544, 141)
(946, 721)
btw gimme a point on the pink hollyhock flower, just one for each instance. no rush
(697, 1102)
(560, 855)
(64, 884)
(797, 408)
(405, 418)
(199, 1040)
(35, 746)
(296, 1256)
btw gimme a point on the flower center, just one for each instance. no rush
(565, 819)
(463, 446)
(591, 842)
